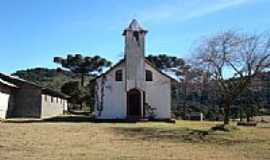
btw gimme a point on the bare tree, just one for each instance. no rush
(190, 80)
(233, 59)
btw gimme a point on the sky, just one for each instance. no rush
(32, 32)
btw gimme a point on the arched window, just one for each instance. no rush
(148, 75)
(119, 75)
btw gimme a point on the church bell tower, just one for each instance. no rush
(134, 55)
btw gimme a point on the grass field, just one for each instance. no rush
(184, 140)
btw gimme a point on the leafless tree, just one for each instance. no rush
(233, 59)
(190, 79)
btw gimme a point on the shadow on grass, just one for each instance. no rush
(89, 119)
(71, 119)
(152, 134)
(59, 119)
(182, 135)
(78, 119)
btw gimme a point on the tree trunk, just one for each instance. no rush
(248, 118)
(241, 114)
(81, 105)
(178, 106)
(226, 113)
(82, 79)
(184, 116)
(184, 111)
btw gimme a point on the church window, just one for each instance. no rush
(118, 75)
(148, 75)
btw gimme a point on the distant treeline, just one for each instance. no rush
(51, 78)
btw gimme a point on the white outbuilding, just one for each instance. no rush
(133, 88)
(6, 98)
(23, 99)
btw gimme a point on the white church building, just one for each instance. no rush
(133, 85)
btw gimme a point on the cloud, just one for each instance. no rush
(183, 10)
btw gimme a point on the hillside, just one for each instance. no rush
(51, 78)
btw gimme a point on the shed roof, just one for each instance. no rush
(16, 81)
(7, 83)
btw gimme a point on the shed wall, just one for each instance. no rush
(4, 101)
(27, 102)
(52, 106)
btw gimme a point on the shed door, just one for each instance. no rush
(4, 98)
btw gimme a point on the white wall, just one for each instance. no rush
(53, 108)
(4, 100)
(114, 106)
(158, 93)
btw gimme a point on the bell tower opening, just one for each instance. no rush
(136, 36)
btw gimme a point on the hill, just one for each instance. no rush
(50, 78)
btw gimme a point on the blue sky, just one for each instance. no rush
(32, 32)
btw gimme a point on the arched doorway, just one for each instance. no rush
(134, 103)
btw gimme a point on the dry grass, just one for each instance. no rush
(119, 141)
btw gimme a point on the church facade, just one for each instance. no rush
(133, 88)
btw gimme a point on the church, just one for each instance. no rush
(133, 88)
